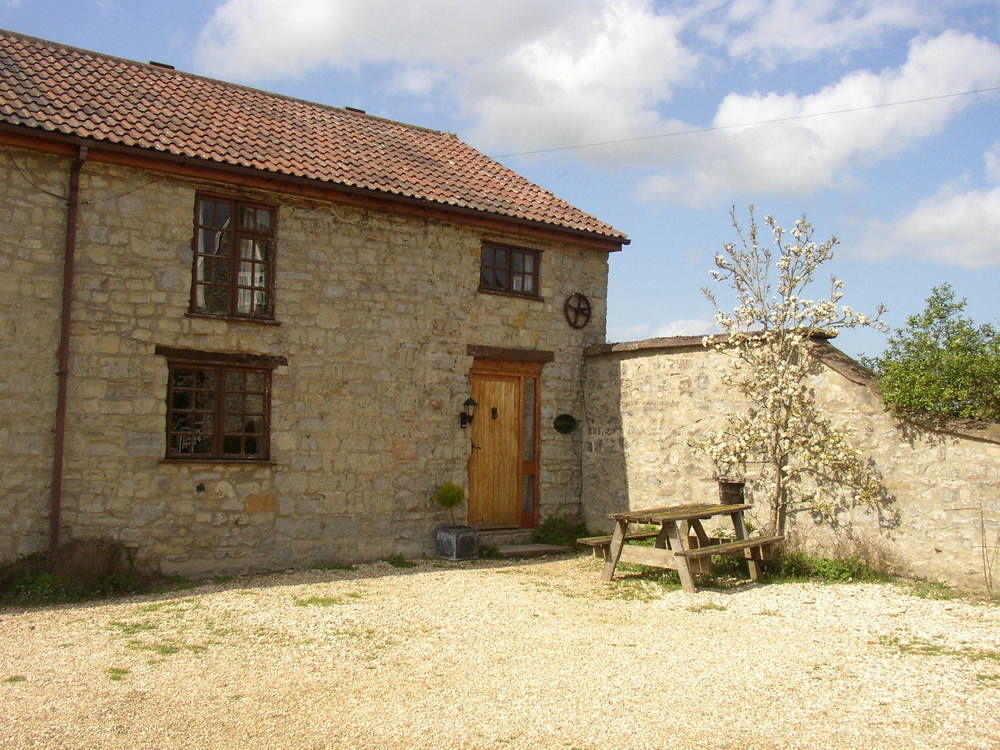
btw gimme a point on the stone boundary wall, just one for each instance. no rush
(646, 400)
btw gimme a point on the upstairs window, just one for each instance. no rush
(233, 259)
(509, 270)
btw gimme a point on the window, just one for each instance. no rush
(218, 405)
(510, 270)
(233, 259)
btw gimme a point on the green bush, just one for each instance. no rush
(83, 569)
(449, 496)
(836, 570)
(561, 531)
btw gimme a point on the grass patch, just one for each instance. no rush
(130, 628)
(706, 607)
(328, 601)
(116, 673)
(16, 678)
(163, 649)
(929, 648)
(319, 601)
(489, 552)
(398, 561)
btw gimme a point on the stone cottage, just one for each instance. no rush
(239, 330)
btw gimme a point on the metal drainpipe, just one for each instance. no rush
(62, 373)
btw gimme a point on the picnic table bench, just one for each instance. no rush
(674, 548)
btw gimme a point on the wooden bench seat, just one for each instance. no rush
(602, 543)
(729, 548)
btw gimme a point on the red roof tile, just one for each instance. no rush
(52, 87)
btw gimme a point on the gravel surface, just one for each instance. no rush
(502, 654)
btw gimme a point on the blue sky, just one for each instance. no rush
(912, 190)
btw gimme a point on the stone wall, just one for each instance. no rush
(375, 311)
(647, 400)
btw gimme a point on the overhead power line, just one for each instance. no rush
(692, 131)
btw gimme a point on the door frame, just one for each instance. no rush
(520, 371)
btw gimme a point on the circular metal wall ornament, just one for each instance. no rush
(564, 424)
(577, 310)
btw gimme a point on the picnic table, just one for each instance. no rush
(674, 547)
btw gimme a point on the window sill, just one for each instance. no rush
(228, 461)
(518, 295)
(232, 318)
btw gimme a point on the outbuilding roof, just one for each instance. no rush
(46, 86)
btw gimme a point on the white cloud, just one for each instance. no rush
(802, 156)
(772, 31)
(992, 159)
(684, 327)
(955, 227)
(528, 73)
(688, 327)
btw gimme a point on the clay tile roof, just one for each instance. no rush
(52, 87)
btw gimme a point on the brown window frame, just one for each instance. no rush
(231, 288)
(207, 401)
(504, 276)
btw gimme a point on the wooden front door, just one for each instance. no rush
(503, 463)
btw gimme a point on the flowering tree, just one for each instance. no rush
(769, 336)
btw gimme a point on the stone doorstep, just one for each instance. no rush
(503, 537)
(530, 550)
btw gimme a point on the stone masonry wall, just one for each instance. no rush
(375, 313)
(645, 403)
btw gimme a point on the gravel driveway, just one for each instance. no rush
(501, 654)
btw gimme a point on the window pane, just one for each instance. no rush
(215, 213)
(213, 270)
(253, 249)
(204, 401)
(180, 400)
(528, 284)
(529, 262)
(233, 424)
(182, 378)
(528, 420)
(528, 494)
(517, 261)
(254, 405)
(204, 379)
(256, 219)
(234, 380)
(518, 283)
(255, 382)
(500, 258)
(232, 446)
(234, 403)
(212, 242)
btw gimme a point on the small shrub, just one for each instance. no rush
(835, 570)
(489, 552)
(398, 561)
(561, 531)
(82, 569)
(449, 496)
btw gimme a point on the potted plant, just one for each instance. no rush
(454, 542)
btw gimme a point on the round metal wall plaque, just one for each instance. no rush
(577, 310)
(564, 424)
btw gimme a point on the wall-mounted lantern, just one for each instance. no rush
(467, 413)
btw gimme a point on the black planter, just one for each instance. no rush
(457, 542)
